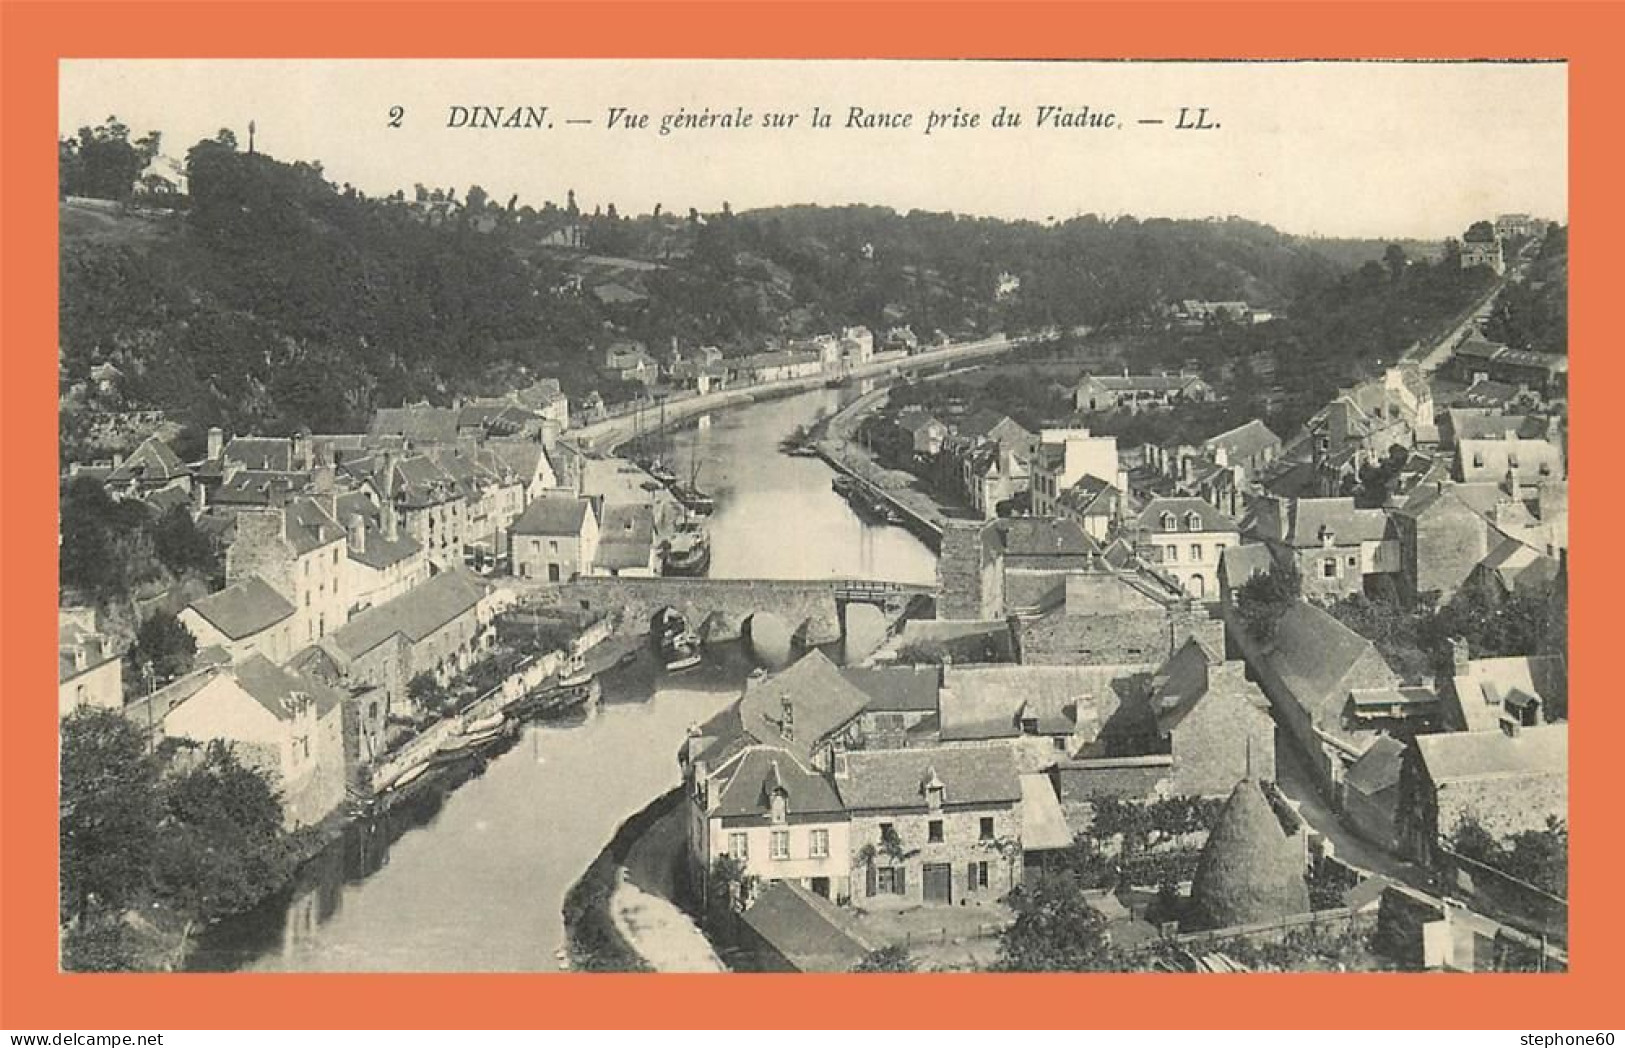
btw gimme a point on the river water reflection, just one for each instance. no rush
(471, 875)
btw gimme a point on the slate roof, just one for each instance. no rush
(307, 526)
(259, 487)
(1143, 383)
(1477, 425)
(821, 700)
(990, 702)
(552, 515)
(1313, 653)
(809, 932)
(1378, 767)
(1043, 823)
(522, 457)
(1482, 689)
(271, 454)
(626, 537)
(1087, 495)
(1182, 507)
(421, 423)
(151, 462)
(1348, 525)
(415, 614)
(895, 779)
(1467, 756)
(275, 688)
(1245, 441)
(747, 782)
(244, 608)
(896, 688)
(377, 551)
(1242, 562)
(1036, 537)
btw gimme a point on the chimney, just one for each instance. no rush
(322, 479)
(217, 443)
(391, 525)
(1510, 727)
(302, 459)
(200, 499)
(1460, 654)
(387, 481)
(787, 722)
(358, 533)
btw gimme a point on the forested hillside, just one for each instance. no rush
(274, 299)
(1534, 313)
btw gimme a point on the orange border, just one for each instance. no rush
(35, 35)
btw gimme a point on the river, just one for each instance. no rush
(471, 875)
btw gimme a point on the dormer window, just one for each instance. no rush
(1029, 725)
(780, 806)
(1193, 521)
(1169, 522)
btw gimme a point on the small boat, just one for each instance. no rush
(406, 777)
(683, 659)
(576, 674)
(689, 551)
(694, 500)
(803, 451)
(568, 700)
(459, 746)
(484, 724)
(662, 473)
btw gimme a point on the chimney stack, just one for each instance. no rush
(302, 459)
(787, 722)
(217, 443)
(391, 525)
(358, 533)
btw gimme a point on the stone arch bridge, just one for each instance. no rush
(719, 609)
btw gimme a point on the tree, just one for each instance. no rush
(1394, 258)
(221, 848)
(109, 808)
(103, 162)
(427, 693)
(1055, 929)
(164, 644)
(183, 547)
(1264, 598)
(887, 959)
(476, 198)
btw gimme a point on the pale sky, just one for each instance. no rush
(1337, 149)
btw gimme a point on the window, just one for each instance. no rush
(779, 844)
(987, 828)
(1060, 742)
(1478, 458)
(820, 844)
(1172, 554)
(739, 846)
(1193, 522)
(1196, 552)
(886, 831)
(1354, 562)
(933, 831)
(1029, 725)
(1328, 568)
(975, 875)
(1168, 522)
(552, 545)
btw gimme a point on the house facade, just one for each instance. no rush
(1185, 538)
(555, 539)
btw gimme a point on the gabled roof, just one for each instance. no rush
(377, 552)
(1378, 767)
(1483, 685)
(896, 688)
(1036, 537)
(1467, 756)
(1313, 654)
(896, 779)
(626, 537)
(820, 701)
(307, 526)
(746, 784)
(1309, 519)
(421, 423)
(415, 614)
(809, 932)
(990, 702)
(1245, 441)
(244, 608)
(1242, 562)
(279, 691)
(151, 462)
(1088, 495)
(553, 515)
(1181, 507)
(261, 453)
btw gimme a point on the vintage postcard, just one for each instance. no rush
(813, 516)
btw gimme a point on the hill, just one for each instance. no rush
(277, 299)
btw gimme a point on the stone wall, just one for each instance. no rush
(1131, 635)
(960, 846)
(959, 572)
(1222, 741)
(716, 608)
(1504, 805)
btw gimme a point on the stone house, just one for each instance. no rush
(556, 539)
(1442, 539)
(1139, 392)
(1371, 792)
(1335, 546)
(286, 725)
(299, 550)
(1507, 780)
(626, 542)
(1212, 721)
(247, 617)
(88, 671)
(901, 704)
(1094, 503)
(384, 561)
(440, 627)
(932, 825)
(1523, 448)
(1063, 457)
(1185, 538)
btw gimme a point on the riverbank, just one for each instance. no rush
(614, 927)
